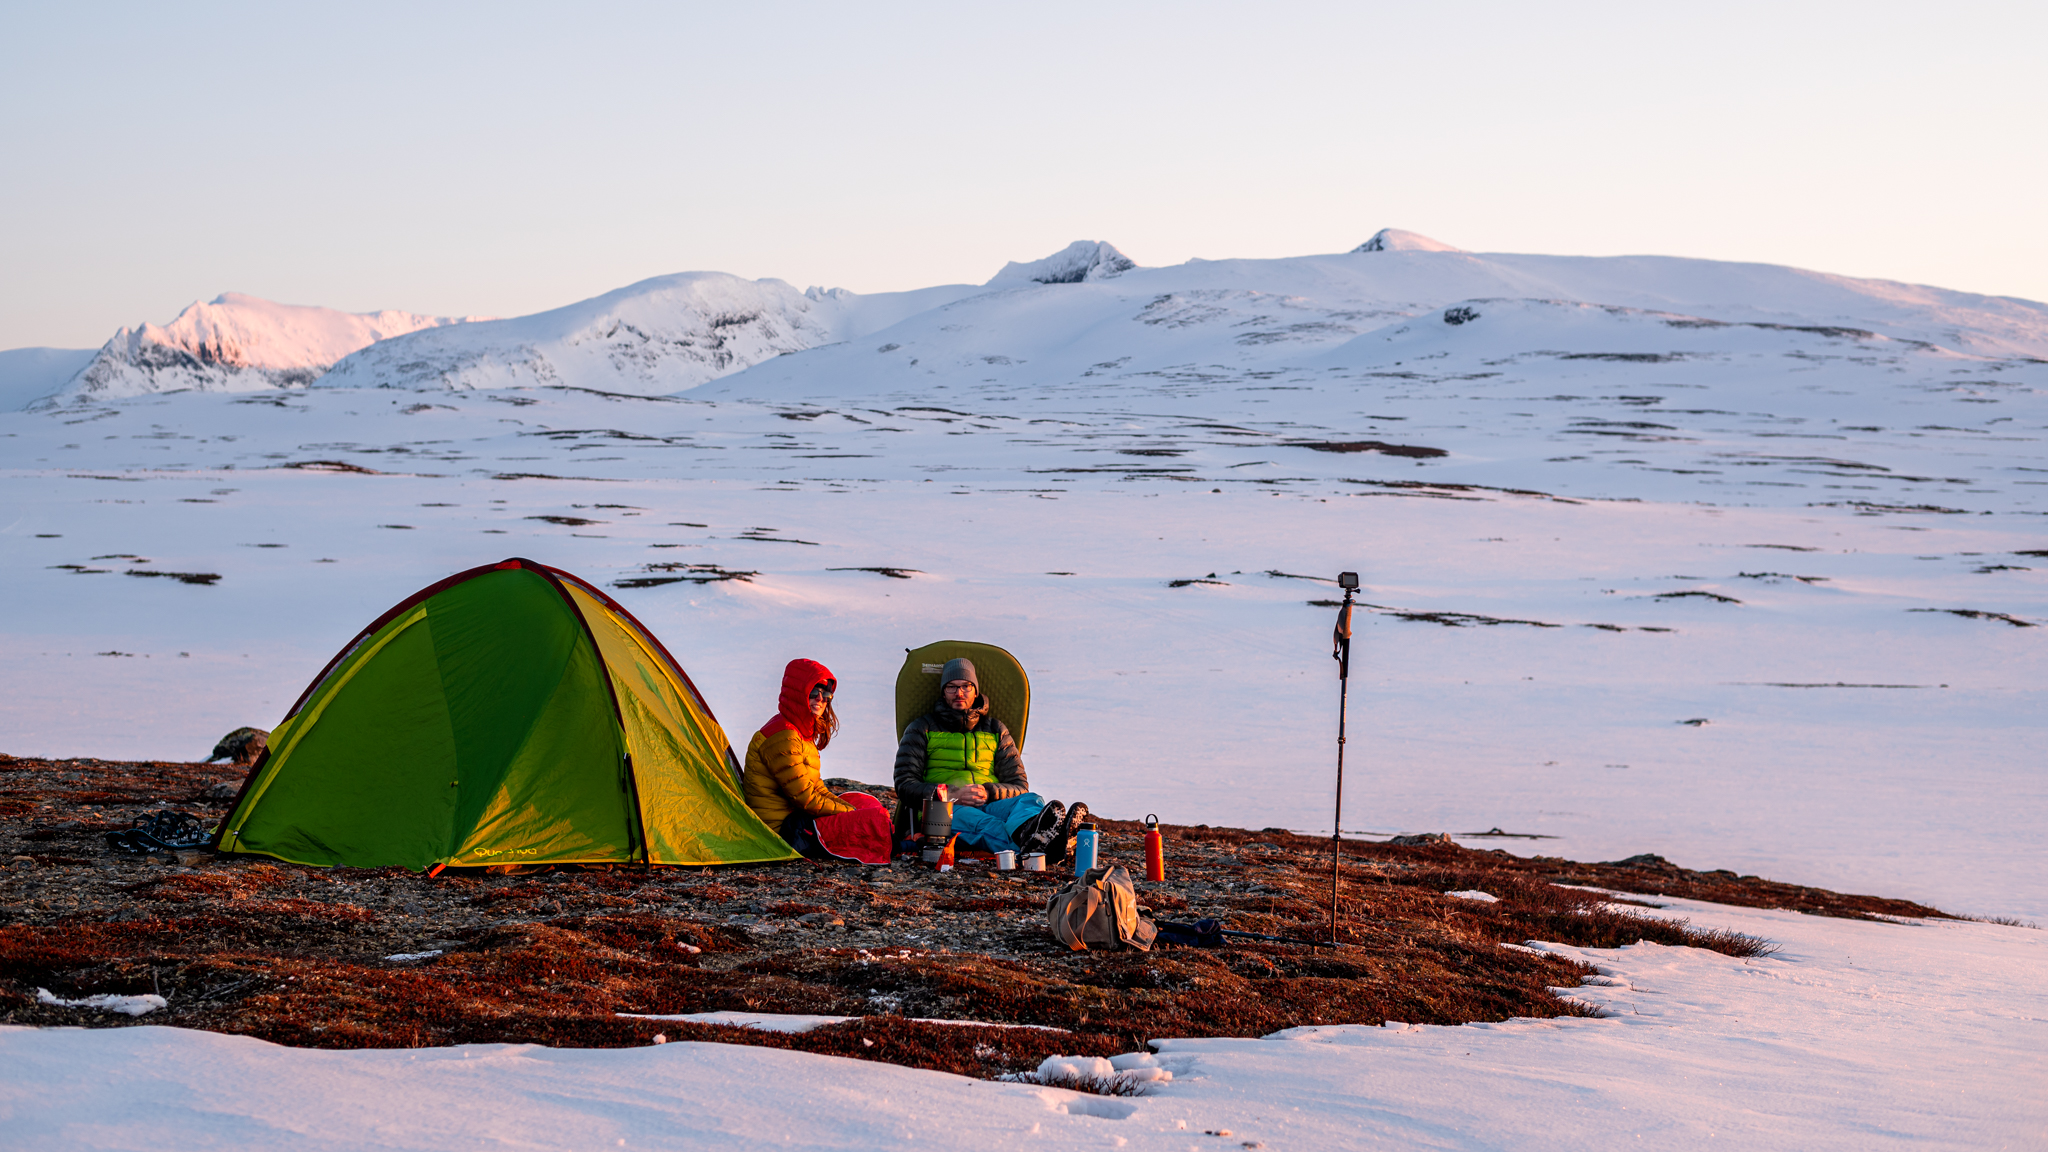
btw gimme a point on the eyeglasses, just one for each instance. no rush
(960, 686)
(821, 693)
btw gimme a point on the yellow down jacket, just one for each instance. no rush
(782, 778)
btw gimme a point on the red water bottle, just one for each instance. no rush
(1155, 850)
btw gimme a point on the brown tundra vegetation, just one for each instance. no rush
(364, 958)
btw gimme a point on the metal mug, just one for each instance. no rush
(1006, 861)
(1035, 862)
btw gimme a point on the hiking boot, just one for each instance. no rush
(1033, 837)
(1062, 847)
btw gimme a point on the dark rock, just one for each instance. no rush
(883, 792)
(242, 746)
(1424, 838)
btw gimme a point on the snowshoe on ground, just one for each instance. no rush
(159, 832)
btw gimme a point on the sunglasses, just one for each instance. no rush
(821, 693)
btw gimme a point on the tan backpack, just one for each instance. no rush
(1100, 910)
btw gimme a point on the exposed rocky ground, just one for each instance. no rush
(345, 957)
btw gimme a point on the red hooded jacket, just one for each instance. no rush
(793, 707)
(782, 777)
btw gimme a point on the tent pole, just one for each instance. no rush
(1342, 654)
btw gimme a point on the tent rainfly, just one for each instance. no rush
(510, 714)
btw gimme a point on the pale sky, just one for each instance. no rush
(501, 158)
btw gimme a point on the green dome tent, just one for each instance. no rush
(510, 714)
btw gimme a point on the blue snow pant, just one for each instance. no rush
(989, 828)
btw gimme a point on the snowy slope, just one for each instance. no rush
(234, 343)
(32, 373)
(1856, 1036)
(661, 335)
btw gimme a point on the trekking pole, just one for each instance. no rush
(1341, 653)
(1282, 939)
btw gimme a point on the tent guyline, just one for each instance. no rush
(510, 714)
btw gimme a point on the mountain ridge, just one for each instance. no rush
(673, 333)
(233, 343)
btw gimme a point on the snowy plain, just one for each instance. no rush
(1740, 565)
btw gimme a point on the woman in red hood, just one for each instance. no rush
(783, 786)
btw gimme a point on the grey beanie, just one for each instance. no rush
(960, 668)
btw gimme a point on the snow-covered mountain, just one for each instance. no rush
(661, 335)
(672, 333)
(1088, 309)
(234, 343)
(1396, 240)
(1083, 260)
(1212, 320)
(1066, 315)
(1051, 320)
(665, 334)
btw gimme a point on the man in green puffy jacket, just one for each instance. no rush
(961, 745)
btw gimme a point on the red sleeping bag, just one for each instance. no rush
(866, 834)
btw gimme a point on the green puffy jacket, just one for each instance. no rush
(956, 749)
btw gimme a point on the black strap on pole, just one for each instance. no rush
(1341, 653)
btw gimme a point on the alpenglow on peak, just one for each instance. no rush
(1395, 240)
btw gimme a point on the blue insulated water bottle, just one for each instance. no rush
(1084, 849)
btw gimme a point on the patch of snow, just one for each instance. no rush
(141, 1005)
(1080, 262)
(759, 1021)
(1078, 1067)
(403, 957)
(1475, 894)
(1396, 240)
(797, 1022)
